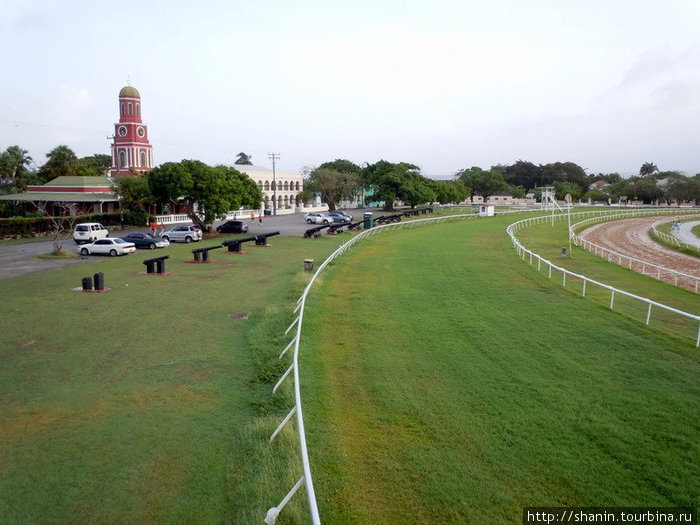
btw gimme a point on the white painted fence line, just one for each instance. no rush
(601, 251)
(522, 251)
(306, 479)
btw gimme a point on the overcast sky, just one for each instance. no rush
(442, 84)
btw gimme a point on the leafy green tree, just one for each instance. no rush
(449, 192)
(207, 193)
(397, 182)
(517, 192)
(487, 183)
(92, 166)
(135, 193)
(565, 172)
(332, 185)
(341, 166)
(244, 159)
(648, 168)
(646, 189)
(523, 173)
(564, 187)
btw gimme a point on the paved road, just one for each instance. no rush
(19, 259)
(687, 236)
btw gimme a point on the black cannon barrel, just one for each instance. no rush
(261, 238)
(156, 264)
(234, 245)
(202, 254)
(315, 231)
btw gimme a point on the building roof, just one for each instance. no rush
(129, 91)
(60, 197)
(78, 181)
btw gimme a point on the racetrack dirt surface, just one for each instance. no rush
(630, 237)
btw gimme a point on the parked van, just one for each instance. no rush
(89, 232)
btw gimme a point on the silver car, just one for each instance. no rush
(187, 233)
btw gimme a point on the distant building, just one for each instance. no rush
(131, 151)
(284, 186)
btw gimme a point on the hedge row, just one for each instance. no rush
(32, 226)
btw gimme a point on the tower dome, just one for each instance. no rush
(129, 91)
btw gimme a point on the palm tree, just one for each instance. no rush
(243, 158)
(648, 168)
(17, 160)
(60, 162)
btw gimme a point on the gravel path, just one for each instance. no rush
(686, 235)
(630, 238)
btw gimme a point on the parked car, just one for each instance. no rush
(232, 227)
(340, 216)
(111, 247)
(183, 234)
(146, 240)
(318, 218)
(89, 232)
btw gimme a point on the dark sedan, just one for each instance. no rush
(232, 227)
(146, 240)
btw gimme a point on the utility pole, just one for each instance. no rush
(274, 157)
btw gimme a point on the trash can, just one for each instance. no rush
(87, 283)
(369, 220)
(99, 280)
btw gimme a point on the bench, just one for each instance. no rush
(234, 245)
(156, 265)
(389, 218)
(356, 225)
(202, 254)
(261, 238)
(315, 232)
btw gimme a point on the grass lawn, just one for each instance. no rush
(148, 404)
(446, 381)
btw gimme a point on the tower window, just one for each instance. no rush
(143, 159)
(122, 108)
(138, 109)
(122, 159)
(131, 108)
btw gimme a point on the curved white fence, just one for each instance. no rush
(656, 271)
(524, 252)
(306, 478)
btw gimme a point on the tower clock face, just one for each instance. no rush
(140, 131)
(122, 131)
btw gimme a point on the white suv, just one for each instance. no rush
(89, 232)
(183, 233)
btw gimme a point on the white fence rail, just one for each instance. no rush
(524, 253)
(674, 241)
(656, 271)
(306, 479)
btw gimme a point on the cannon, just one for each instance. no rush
(315, 232)
(261, 238)
(234, 245)
(202, 254)
(156, 265)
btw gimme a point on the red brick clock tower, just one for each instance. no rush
(131, 151)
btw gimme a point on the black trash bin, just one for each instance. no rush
(87, 283)
(99, 281)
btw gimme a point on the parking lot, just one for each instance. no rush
(18, 259)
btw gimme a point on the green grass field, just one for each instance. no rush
(148, 404)
(446, 381)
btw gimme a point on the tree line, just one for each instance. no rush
(213, 191)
